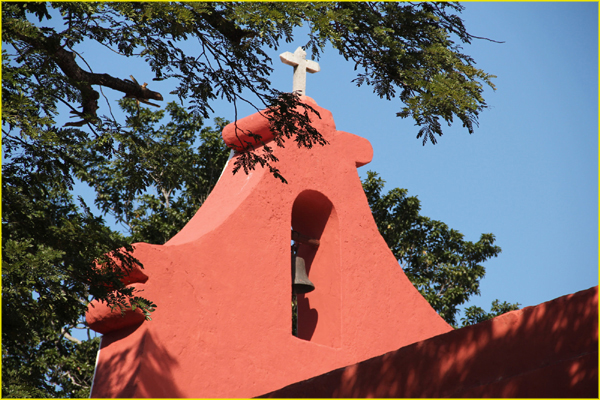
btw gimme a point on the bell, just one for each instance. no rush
(301, 283)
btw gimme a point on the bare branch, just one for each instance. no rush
(66, 334)
(84, 80)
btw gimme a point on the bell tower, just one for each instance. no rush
(222, 327)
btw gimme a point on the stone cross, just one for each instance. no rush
(301, 66)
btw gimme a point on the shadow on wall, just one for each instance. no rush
(152, 370)
(550, 350)
(307, 318)
(319, 311)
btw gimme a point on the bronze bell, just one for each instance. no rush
(301, 283)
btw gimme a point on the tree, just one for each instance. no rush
(160, 176)
(49, 245)
(403, 50)
(475, 315)
(54, 247)
(445, 268)
(50, 242)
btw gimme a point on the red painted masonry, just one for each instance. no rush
(546, 351)
(223, 284)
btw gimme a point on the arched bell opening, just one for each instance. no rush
(316, 251)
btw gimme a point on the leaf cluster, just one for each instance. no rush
(405, 51)
(284, 116)
(475, 315)
(160, 173)
(57, 255)
(151, 176)
(53, 263)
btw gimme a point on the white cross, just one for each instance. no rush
(301, 65)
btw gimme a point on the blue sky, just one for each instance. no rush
(529, 173)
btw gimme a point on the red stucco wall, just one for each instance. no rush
(547, 351)
(223, 284)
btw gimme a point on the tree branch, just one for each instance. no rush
(72, 379)
(66, 334)
(83, 80)
(216, 19)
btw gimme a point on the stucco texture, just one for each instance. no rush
(546, 351)
(223, 325)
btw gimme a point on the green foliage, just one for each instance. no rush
(159, 175)
(50, 242)
(445, 268)
(49, 245)
(152, 176)
(405, 51)
(69, 366)
(475, 315)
